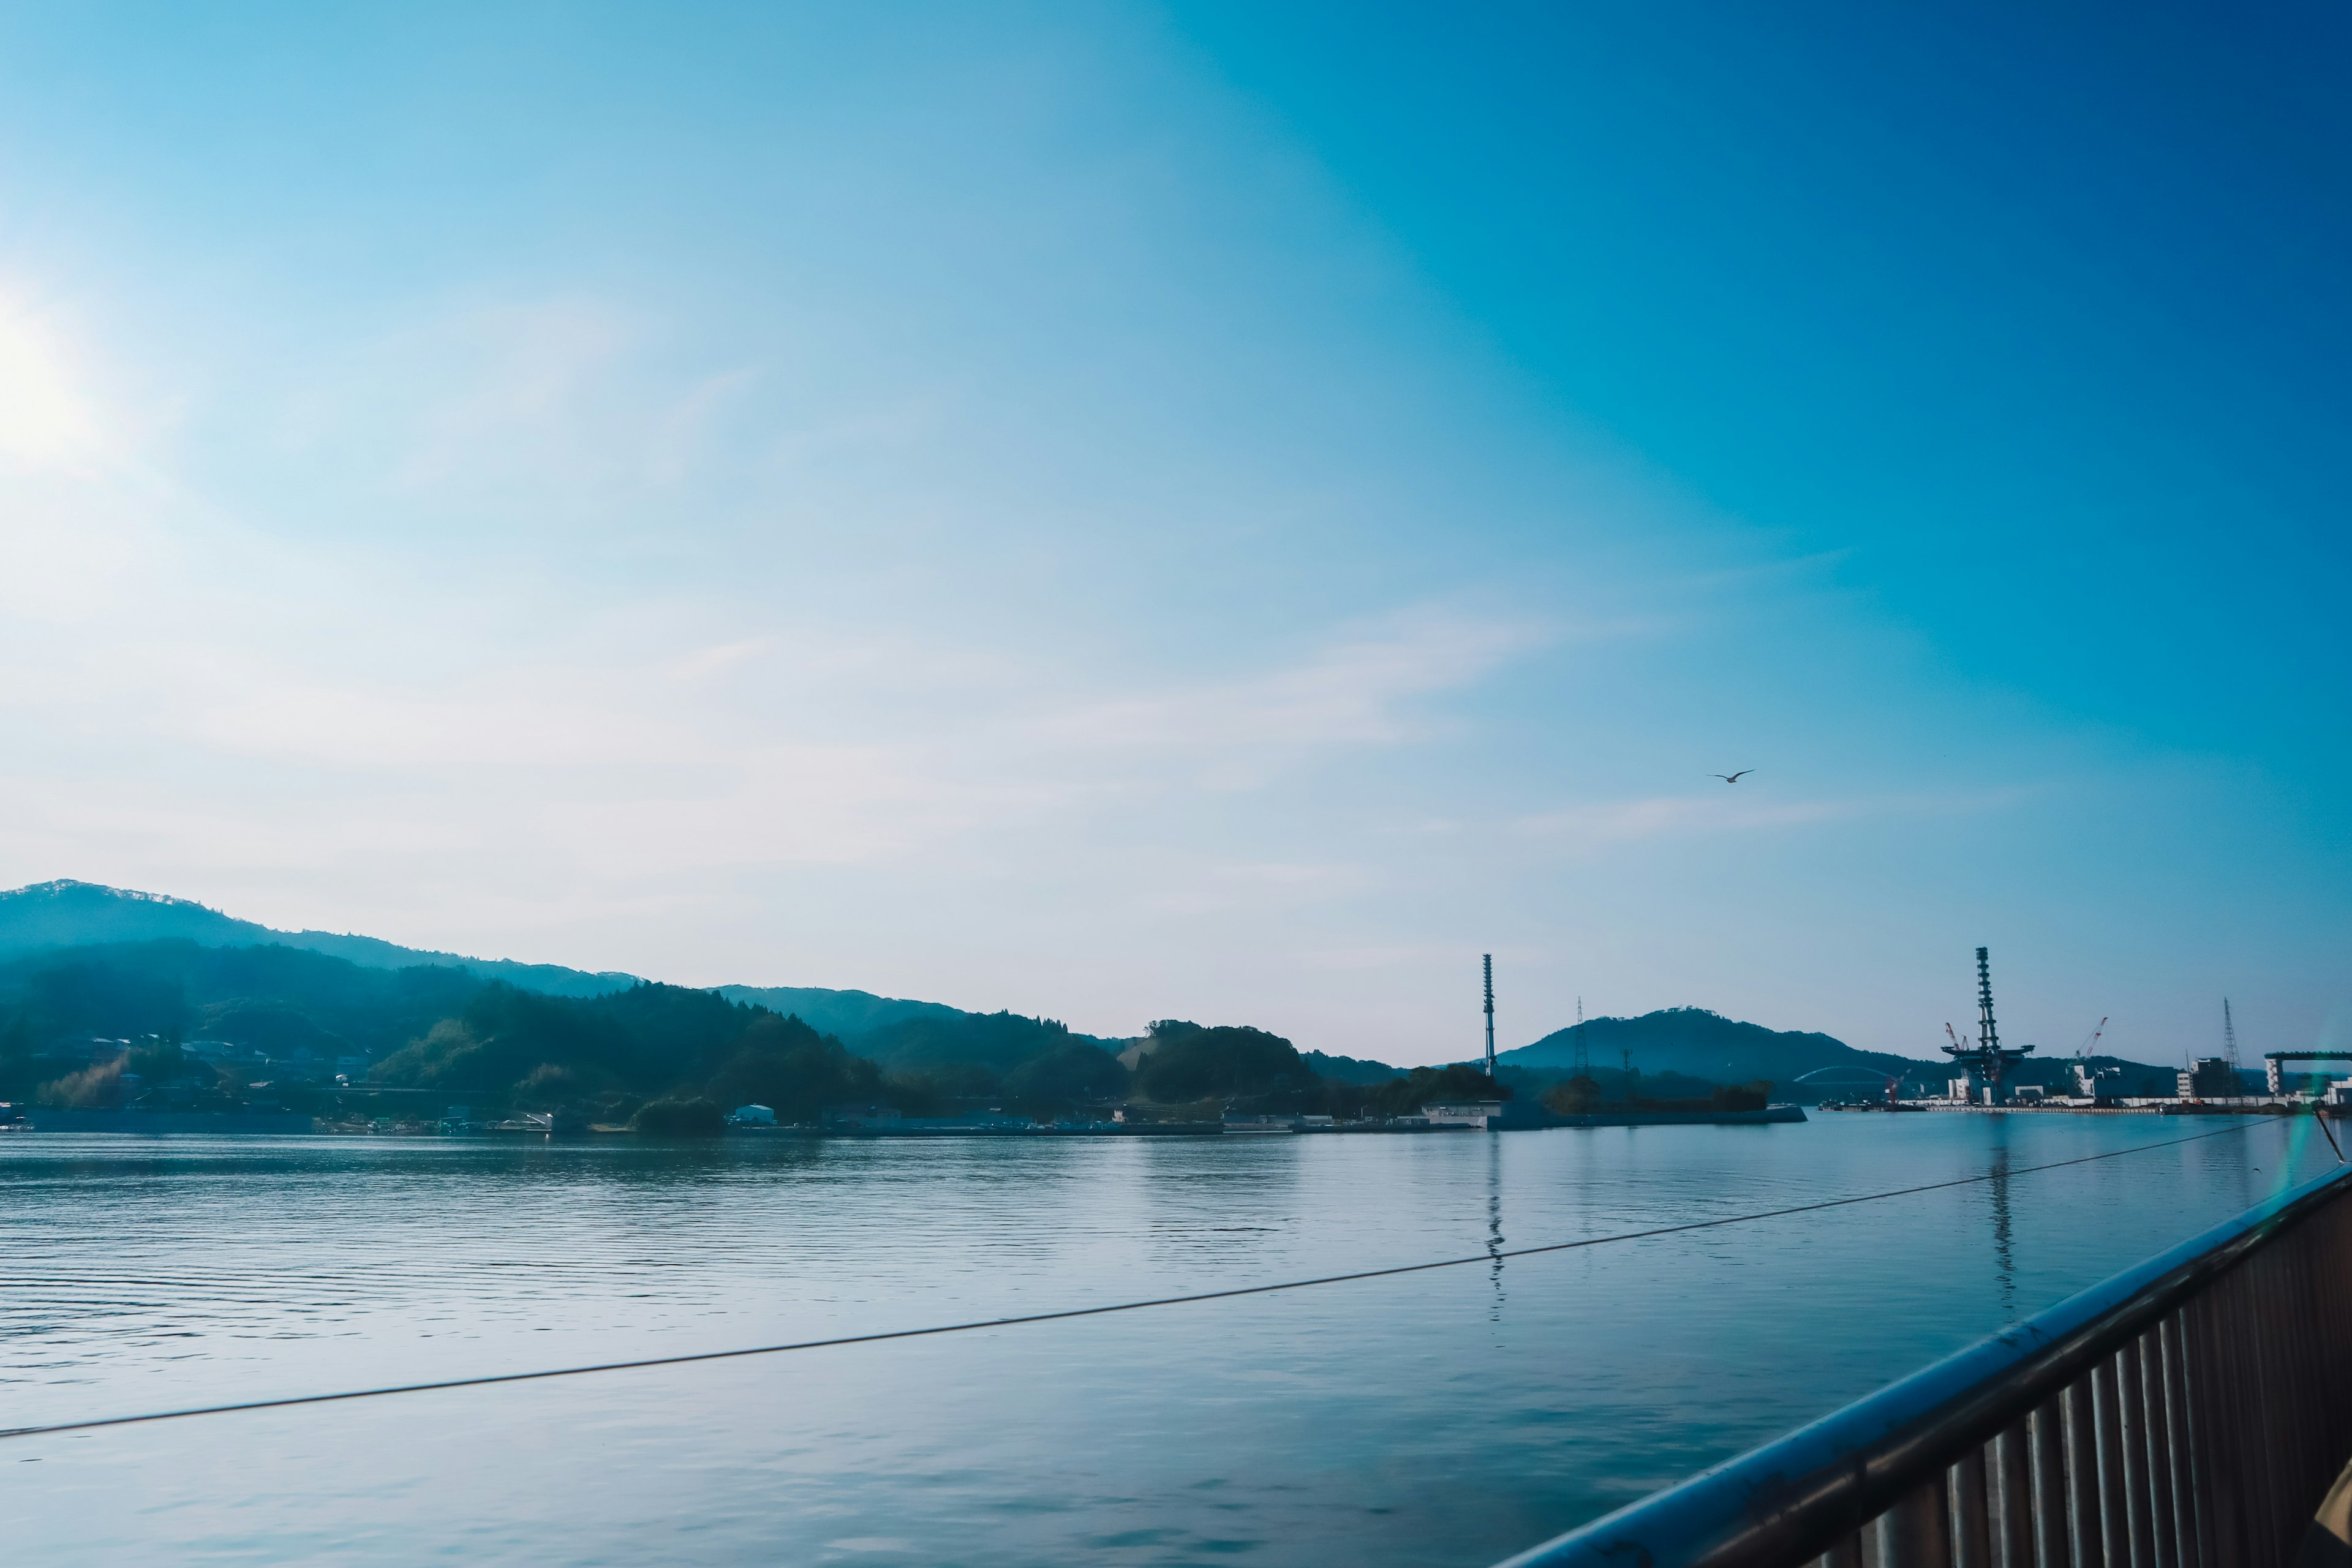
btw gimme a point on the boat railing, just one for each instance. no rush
(2190, 1413)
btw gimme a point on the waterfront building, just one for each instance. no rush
(2211, 1078)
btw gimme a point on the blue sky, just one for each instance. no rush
(1125, 513)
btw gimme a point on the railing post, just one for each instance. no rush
(2082, 1477)
(2131, 1412)
(2012, 1497)
(2164, 1534)
(2113, 1510)
(2187, 1526)
(2045, 1441)
(2320, 1458)
(2221, 1458)
(2248, 1293)
(1971, 1512)
(1917, 1532)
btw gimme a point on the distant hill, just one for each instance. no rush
(66, 913)
(1696, 1044)
(1350, 1069)
(850, 1014)
(176, 1022)
(1688, 1043)
(997, 1041)
(47, 916)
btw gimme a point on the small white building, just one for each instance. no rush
(1462, 1113)
(750, 1116)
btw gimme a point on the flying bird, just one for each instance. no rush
(1735, 778)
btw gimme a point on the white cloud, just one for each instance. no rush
(51, 422)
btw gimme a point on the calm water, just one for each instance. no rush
(1447, 1418)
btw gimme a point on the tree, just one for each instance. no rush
(1574, 1097)
(1187, 1062)
(1074, 1073)
(786, 1065)
(1429, 1086)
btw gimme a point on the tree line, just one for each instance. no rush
(671, 1059)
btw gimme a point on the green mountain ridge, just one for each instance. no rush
(899, 1035)
(65, 913)
(173, 1023)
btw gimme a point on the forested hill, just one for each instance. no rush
(182, 1025)
(47, 916)
(1698, 1044)
(1695, 1043)
(892, 1030)
(178, 1024)
(66, 913)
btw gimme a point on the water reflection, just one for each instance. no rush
(1494, 1222)
(135, 1275)
(2004, 1260)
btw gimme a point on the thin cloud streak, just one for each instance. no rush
(1603, 824)
(1354, 692)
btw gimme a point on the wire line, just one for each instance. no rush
(1066, 1313)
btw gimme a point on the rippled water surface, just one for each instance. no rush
(1449, 1417)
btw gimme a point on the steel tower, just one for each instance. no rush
(1490, 1014)
(1988, 1057)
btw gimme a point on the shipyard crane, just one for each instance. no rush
(2083, 1050)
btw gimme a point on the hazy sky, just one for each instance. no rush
(1217, 511)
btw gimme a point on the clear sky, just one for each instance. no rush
(1216, 511)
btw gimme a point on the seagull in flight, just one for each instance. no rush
(1734, 778)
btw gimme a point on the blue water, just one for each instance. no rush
(1446, 1417)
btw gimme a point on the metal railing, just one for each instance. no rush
(2190, 1413)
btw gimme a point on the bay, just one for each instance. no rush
(1443, 1417)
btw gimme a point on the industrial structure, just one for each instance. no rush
(2211, 1078)
(1490, 1014)
(2274, 1070)
(1988, 1058)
